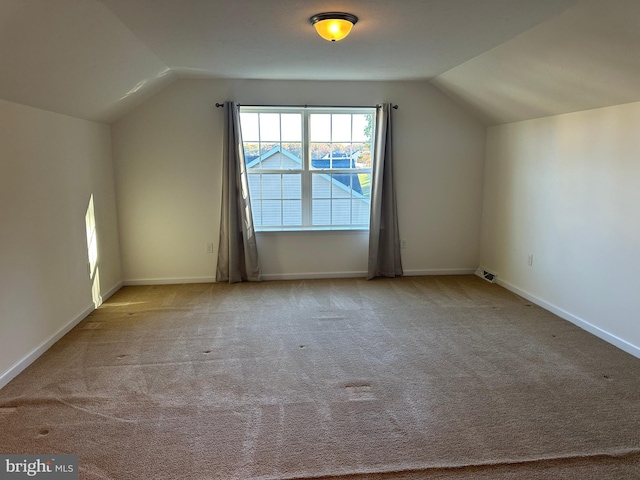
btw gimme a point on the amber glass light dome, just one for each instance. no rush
(333, 26)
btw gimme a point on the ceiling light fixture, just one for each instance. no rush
(333, 26)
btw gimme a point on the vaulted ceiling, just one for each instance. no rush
(586, 57)
(504, 60)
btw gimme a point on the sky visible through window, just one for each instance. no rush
(267, 127)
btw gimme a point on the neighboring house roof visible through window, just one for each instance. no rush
(341, 180)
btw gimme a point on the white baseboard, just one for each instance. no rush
(312, 276)
(440, 271)
(33, 355)
(168, 281)
(112, 290)
(407, 273)
(597, 331)
(299, 276)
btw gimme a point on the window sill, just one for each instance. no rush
(315, 231)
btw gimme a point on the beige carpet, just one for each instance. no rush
(424, 377)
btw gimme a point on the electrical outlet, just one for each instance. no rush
(209, 247)
(530, 260)
(403, 244)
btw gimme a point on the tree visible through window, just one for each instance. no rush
(308, 168)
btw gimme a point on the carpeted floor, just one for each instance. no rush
(417, 377)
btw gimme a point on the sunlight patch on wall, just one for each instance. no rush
(92, 253)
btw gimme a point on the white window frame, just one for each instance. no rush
(307, 171)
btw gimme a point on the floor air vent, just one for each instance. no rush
(486, 274)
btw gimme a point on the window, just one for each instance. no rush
(308, 168)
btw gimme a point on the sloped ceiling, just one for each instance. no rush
(586, 57)
(504, 59)
(74, 57)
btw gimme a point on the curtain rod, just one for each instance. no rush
(311, 106)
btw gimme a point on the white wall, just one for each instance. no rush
(50, 164)
(167, 156)
(567, 190)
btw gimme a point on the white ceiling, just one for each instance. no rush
(273, 39)
(505, 59)
(586, 57)
(73, 57)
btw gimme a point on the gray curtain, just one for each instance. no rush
(237, 253)
(384, 236)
